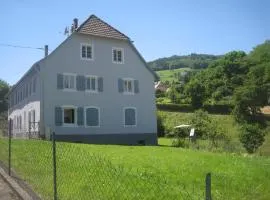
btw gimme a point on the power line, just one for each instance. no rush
(23, 47)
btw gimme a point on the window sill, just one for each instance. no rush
(87, 59)
(91, 91)
(128, 93)
(86, 126)
(69, 125)
(69, 90)
(130, 126)
(120, 63)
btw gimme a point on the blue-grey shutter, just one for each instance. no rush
(80, 116)
(130, 118)
(136, 86)
(60, 81)
(92, 117)
(100, 84)
(80, 82)
(120, 85)
(58, 116)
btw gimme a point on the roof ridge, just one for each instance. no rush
(102, 21)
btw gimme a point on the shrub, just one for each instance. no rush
(160, 125)
(201, 122)
(252, 137)
(176, 107)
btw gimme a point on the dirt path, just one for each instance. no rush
(6, 193)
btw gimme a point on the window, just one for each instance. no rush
(118, 55)
(130, 116)
(69, 115)
(30, 88)
(128, 86)
(33, 116)
(69, 82)
(34, 84)
(86, 51)
(91, 83)
(92, 116)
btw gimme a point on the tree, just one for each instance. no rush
(4, 89)
(196, 90)
(252, 137)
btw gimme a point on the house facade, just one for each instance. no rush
(95, 87)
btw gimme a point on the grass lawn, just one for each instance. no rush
(168, 75)
(137, 172)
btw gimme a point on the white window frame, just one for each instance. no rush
(124, 116)
(92, 51)
(85, 116)
(75, 115)
(96, 82)
(132, 86)
(118, 49)
(75, 82)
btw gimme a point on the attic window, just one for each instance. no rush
(118, 55)
(86, 52)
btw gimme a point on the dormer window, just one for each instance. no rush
(118, 55)
(86, 52)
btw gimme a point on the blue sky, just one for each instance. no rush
(159, 28)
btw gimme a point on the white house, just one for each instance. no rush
(95, 87)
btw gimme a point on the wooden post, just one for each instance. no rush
(208, 186)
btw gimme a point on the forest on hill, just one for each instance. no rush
(193, 61)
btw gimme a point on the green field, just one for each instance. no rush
(230, 128)
(137, 172)
(169, 75)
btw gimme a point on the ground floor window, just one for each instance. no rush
(130, 116)
(69, 115)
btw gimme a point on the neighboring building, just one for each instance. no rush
(95, 87)
(161, 86)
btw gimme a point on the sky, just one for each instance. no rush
(158, 28)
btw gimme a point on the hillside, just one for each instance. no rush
(193, 61)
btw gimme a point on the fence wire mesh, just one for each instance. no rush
(86, 175)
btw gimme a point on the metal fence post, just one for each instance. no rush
(9, 145)
(208, 186)
(54, 166)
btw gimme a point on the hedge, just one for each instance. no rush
(214, 109)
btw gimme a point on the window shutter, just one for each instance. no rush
(60, 81)
(80, 82)
(136, 86)
(130, 118)
(80, 116)
(100, 84)
(120, 85)
(58, 116)
(92, 117)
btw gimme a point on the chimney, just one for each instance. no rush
(46, 50)
(75, 23)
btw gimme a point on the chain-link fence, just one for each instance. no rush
(57, 170)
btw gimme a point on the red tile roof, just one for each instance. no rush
(97, 27)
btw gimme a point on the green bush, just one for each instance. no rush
(215, 108)
(252, 137)
(160, 125)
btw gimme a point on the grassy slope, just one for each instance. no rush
(120, 172)
(168, 75)
(230, 128)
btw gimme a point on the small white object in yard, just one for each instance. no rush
(192, 132)
(183, 126)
